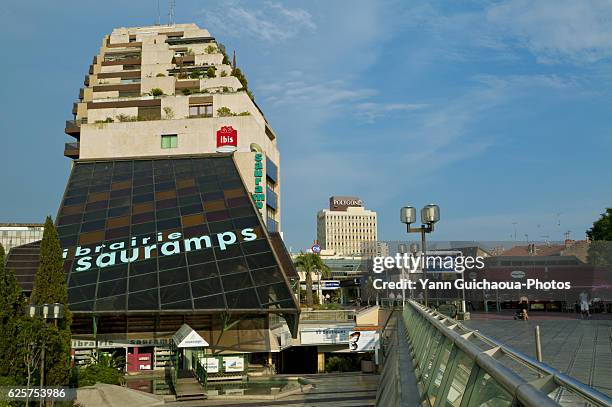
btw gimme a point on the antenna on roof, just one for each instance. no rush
(171, 4)
(158, 13)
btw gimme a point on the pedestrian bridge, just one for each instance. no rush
(432, 360)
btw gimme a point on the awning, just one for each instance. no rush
(186, 337)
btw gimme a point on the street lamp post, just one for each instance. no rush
(430, 214)
(46, 311)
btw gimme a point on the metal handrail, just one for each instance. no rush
(519, 387)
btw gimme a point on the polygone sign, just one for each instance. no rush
(227, 139)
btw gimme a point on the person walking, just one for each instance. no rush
(584, 305)
(524, 307)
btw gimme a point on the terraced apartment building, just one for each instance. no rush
(170, 91)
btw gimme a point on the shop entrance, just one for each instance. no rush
(298, 360)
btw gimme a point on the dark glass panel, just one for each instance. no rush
(174, 293)
(116, 186)
(215, 216)
(68, 230)
(273, 293)
(143, 217)
(67, 241)
(175, 276)
(143, 228)
(200, 271)
(143, 300)
(188, 191)
(235, 265)
(72, 210)
(116, 202)
(93, 225)
(164, 186)
(191, 209)
(91, 237)
(267, 275)
(138, 182)
(121, 193)
(83, 278)
(168, 224)
(262, 260)
(163, 195)
(110, 303)
(195, 231)
(120, 211)
(143, 165)
(242, 299)
(145, 189)
(95, 215)
(241, 212)
(111, 288)
(75, 200)
(244, 223)
(143, 267)
(192, 220)
(185, 183)
(212, 196)
(212, 302)
(77, 191)
(143, 282)
(170, 262)
(212, 206)
(237, 202)
(142, 208)
(81, 293)
(221, 227)
(178, 305)
(69, 220)
(190, 200)
(114, 272)
(82, 306)
(200, 256)
(119, 222)
(142, 198)
(167, 213)
(229, 252)
(168, 203)
(117, 233)
(236, 281)
(209, 286)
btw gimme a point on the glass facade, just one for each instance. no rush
(12, 235)
(167, 234)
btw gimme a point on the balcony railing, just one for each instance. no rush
(74, 126)
(71, 150)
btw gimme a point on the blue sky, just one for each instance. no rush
(498, 111)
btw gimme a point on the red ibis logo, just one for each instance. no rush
(227, 139)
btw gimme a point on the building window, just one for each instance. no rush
(201, 110)
(169, 141)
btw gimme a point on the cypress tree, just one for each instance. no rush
(12, 305)
(50, 287)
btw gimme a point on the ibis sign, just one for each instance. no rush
(227, 139)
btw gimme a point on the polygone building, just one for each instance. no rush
(171, 214)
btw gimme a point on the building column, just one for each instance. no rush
(320, 362)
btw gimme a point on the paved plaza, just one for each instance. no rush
(330, 390)
(579, 348)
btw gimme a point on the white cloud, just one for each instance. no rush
(553, 30)
(271, 22)
(372, 111)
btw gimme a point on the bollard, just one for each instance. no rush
(538, 343)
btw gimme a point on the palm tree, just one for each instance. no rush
(309, 263)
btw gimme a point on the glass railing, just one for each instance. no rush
(459, 367)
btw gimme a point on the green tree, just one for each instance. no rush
(600, 249)
(310, 263)
(210, 72)
(50, 287)
(602, 227)
(12, 303)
